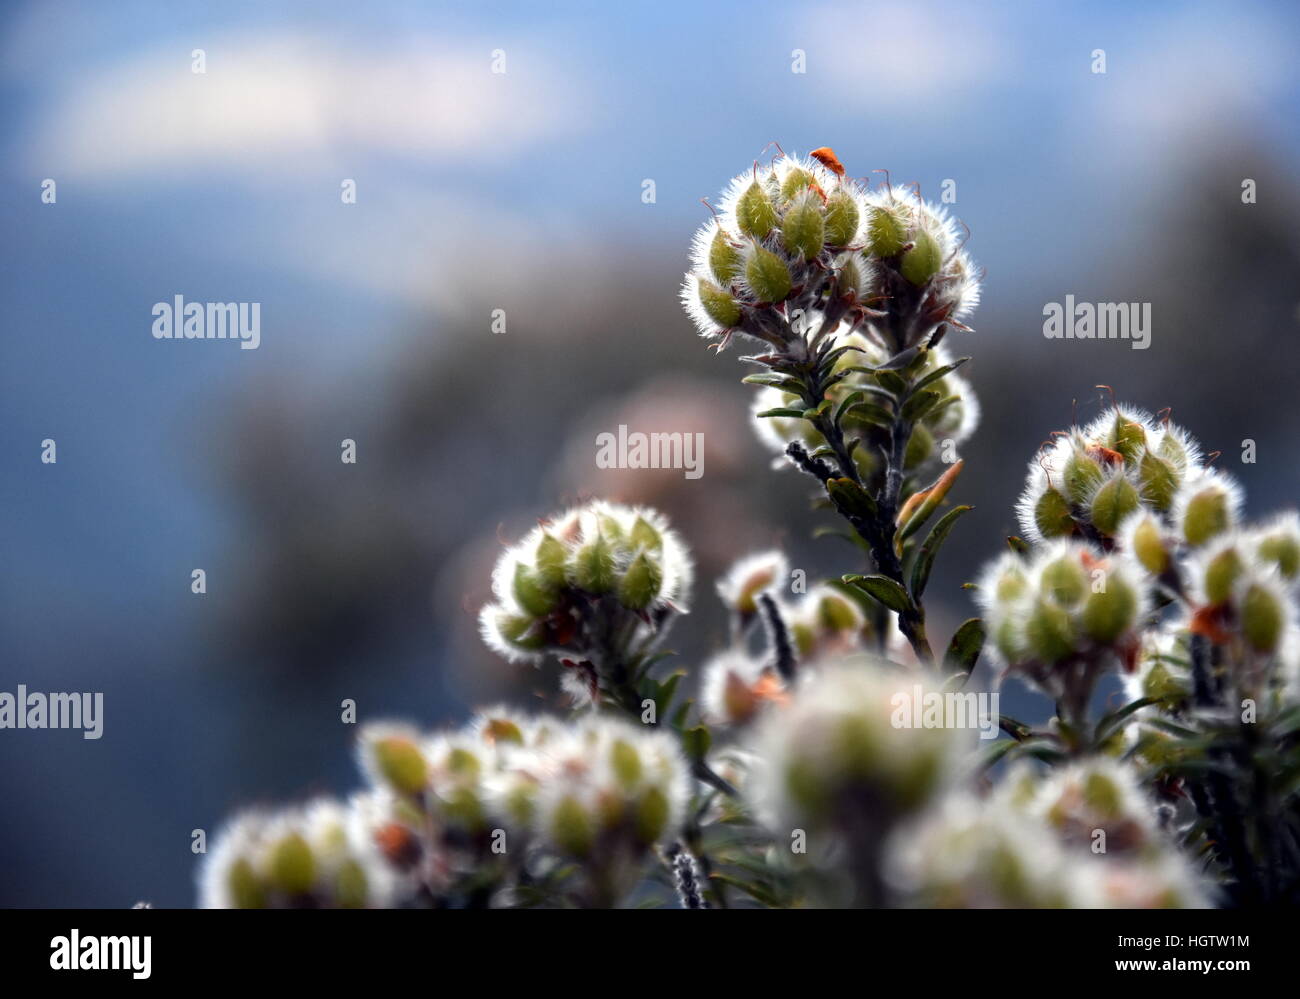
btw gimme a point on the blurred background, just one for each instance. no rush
(523, 191)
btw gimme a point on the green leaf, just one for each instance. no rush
(1113, 722)
(696, 742)
(848, 401)
(869, 412)
(783, 411)
(964, 649)
(996, 751)
(774, 381)
(753, 891)
(901, 359)
(818, 410)
(678, 719)
(1019, 546)
(938, 373)
(851, 499)
(884, 589)
(919, 404)
(924, 564)
(667, 691)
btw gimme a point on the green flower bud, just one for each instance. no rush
(640, 585)
(835, 613)
(1206, 516)
(571, 827)
(626, 763)
(519, 630)
(1159, 480)
(1052, 515)
(754, 212)
(292, 867)
(1160, 684)
(1221, 575)
(645, 537)
(1129, 438)
(401, 764)
(1149, 547)
(1009, 641)
(1110, 613)
(463, 763)
(246, 889)
(1114, 501)
(841, 219)
(1064, 581)
(923, 260)
(350, 889)
(724, 259)
(1011, 585)
(1172, 450)
(1262, 618)
(651, 815)
(593, 566)
(534, 596)
(718, 304)
(795, 181)
(886, 230)
(549, 562)
(1101, 796)
(462, 807)
(768, 275)
(1283, 550)
(1081, 477)
(803, 231)
(1049, 633)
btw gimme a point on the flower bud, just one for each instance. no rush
(1282, 550)
(593, 566)
(841, 219)
(640, 583)
(400, 763)
(718, 304)
(350, 886)
(1262, 618)
(571, 827)
(724, 259)
(1049, 633)
(1064, 581)
(1052, 515)
(803, 231)
(652, 813)
(1221, 575)
(549, 562)
(767, 275)
(796, 180)
(1206, 516)
(292, 866)
(1082, 477)
(755, 213)
(886, 230)
(534, 596)
(923, 260)
(1111, 612)
(246, 890)
(1159, 481)
(1147, 545)
(644, 536)
(1114, 501)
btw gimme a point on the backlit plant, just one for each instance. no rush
(793, 776)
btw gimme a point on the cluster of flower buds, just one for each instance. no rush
(599, 574)
(1084, 837)
(1060, 618)
(800, 237)
(1092, 478)
(450, 816)
(861, 395)
(313, 857)
(835, 760)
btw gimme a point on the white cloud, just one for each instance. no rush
(270, 104)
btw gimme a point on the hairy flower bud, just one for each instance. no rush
(767, 275)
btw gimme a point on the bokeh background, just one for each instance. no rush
(522, 191)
